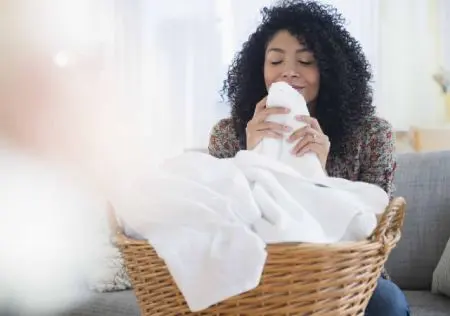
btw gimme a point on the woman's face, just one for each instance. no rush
(288, 60)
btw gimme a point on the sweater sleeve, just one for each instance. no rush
(223, 142)
(378, 162)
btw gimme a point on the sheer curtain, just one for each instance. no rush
(410, 53)
(173, 58)
(444, 28)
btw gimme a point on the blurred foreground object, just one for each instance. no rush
(59, 99)
(52, 236)
(67, 144)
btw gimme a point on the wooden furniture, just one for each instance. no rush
(425, 139)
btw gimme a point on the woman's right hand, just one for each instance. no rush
(258, 127)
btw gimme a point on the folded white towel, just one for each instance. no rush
(209, 219)
(282, 94)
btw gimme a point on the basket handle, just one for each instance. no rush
(388, 230)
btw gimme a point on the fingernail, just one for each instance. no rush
(287, 110)
(287, 128)
(301, 153)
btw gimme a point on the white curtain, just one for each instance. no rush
(410, 53)
(444, 9)
(174, 58)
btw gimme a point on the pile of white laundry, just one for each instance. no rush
(210, 218)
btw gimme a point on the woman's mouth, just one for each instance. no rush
(300, 89)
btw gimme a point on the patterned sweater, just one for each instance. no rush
(367, 157)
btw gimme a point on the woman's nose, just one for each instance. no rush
(290, 73)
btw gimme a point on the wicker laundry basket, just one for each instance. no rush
(298, 279)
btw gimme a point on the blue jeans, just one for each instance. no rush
(387, 300)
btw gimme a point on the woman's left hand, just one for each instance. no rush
(312, 139)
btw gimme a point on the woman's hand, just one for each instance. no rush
(312, 139)
(258, 128)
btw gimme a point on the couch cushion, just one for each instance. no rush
(441, 275)
(424, 180)
(423, 303)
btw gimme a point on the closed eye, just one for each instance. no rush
(303, 62)
(276, 62)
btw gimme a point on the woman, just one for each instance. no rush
(305, 44)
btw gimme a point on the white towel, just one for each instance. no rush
(210, 219)
(296, 208)
(282, 94)
(303, 209)
(196, 214)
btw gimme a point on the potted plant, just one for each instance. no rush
(443, 79)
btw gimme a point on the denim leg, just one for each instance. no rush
(387, 300)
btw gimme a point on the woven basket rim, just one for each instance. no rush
(384, 233)
(298, 278)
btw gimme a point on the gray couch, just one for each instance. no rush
(424, 180)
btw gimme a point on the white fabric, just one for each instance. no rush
(210, 218)
(282, 94)
(197, 216)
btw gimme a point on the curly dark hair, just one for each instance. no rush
(345, 95)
